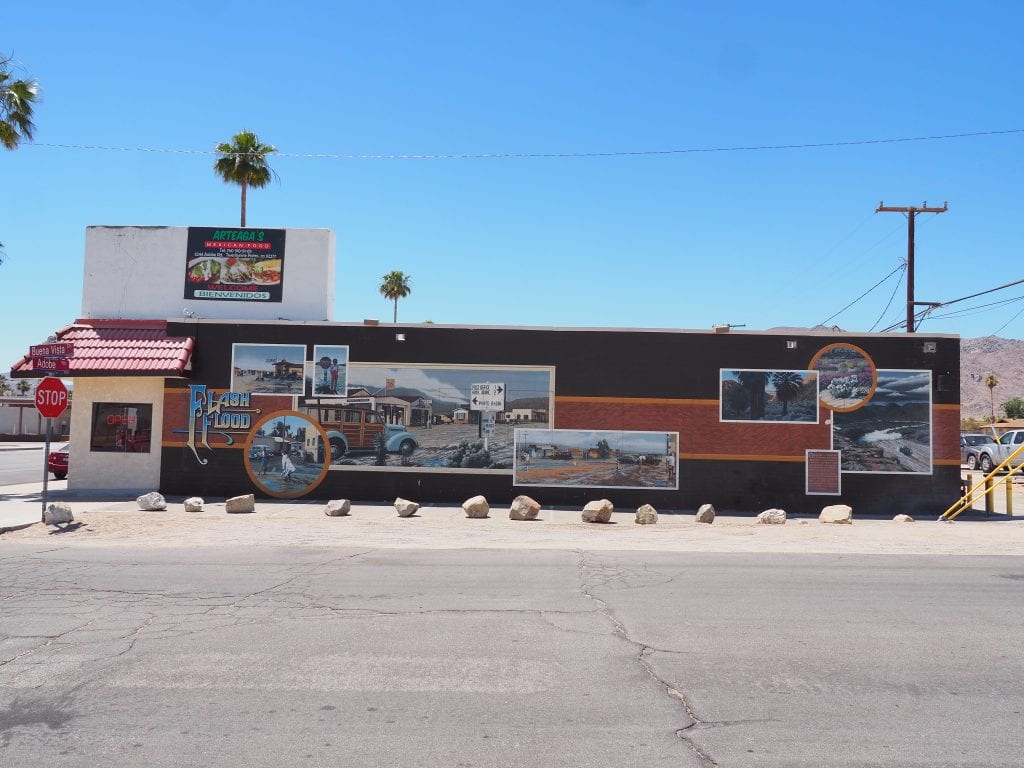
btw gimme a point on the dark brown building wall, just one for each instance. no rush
(608, 379)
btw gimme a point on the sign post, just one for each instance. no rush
(488, 397)
(51, 400)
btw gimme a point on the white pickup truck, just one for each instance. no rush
(993, 454)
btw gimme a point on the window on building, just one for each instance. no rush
(121, 427)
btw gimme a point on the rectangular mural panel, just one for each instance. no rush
(234, 264)
(892, 432)
(268, 369)
(421, 416)
(328, 375)
(823, 477)
(592, 458)
(769, 395)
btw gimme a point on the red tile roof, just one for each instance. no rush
(120, 348)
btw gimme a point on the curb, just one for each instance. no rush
(21, 526)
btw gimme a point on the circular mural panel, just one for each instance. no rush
(286, 454)
(847, 376)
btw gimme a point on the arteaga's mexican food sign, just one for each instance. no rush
(234, 264)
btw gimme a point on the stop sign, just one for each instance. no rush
(51, 398)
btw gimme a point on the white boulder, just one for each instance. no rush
(240, 504)
(772, 517)
(524, 508)
(194, 504)
(599, 511)
(58, 513)
(476, 507)
(706, 514)
(405, 508)
(338, 507)
(646, 515)
(903, 519)
(151, 501)
(839, 514)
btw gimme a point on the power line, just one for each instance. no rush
(546, 155)
(889, 303)
(997, 330)
(977, 309)
(869, 290)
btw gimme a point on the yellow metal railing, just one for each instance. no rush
(988, 486)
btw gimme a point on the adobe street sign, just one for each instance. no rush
(488, 396)
(51, 364)
(51, 399)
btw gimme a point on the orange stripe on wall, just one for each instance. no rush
(701, 431)
(740, 457)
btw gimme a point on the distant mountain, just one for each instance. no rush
(984, 356)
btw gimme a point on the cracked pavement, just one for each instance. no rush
(306, 655)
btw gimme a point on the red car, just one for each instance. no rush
(57, 462)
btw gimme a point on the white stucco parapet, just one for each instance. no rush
(139, 272)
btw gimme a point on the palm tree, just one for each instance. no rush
(754, 382)
(17, 98)
(788, 384)
(992, 382)
(244, 162)
(395, 286)
(24, 386)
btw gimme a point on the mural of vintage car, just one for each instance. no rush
(353, 430)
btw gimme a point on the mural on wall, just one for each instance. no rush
(846, 376)
(596, 458)
(235, 264)
(424, 416)
(769, 395)
(268, 369)
(215, 417)
(892, 432)
(328, 375)
(286, 454)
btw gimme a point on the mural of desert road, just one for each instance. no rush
(587, 458)
(892, 432)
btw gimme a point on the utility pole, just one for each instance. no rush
(911, 211)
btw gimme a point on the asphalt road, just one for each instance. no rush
(23, 466)
(302, 656)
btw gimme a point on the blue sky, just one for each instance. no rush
(685, 240)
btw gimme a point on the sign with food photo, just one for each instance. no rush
(234, 264)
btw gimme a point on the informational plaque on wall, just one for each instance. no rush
(234, 264)
(823, 475)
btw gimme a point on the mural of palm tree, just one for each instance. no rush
(395, 286)
(788, 385)
(754, 382)
(281, 429)
(244, 162)
(992, 382)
